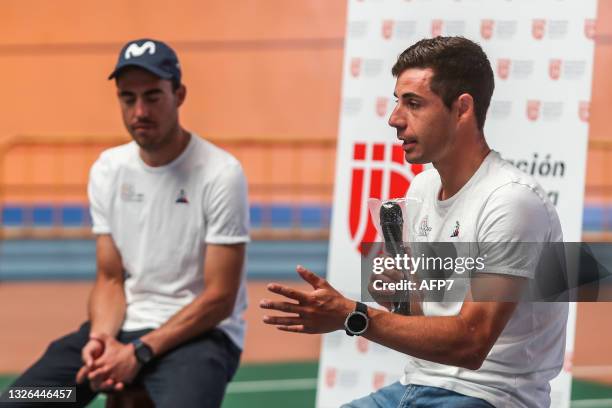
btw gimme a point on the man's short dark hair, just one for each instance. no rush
(459, 66)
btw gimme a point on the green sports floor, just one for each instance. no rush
(277, 385)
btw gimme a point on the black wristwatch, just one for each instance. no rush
(356, 322)
(142, 351)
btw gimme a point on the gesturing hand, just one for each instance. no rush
(321, 310)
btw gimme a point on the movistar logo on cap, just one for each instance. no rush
(135, 50)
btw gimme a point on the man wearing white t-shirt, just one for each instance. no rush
(170, 214)
(461, 353)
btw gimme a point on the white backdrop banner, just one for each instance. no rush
(542, 55)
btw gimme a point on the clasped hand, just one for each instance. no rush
(107, 363)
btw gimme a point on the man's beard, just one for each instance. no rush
(154, 144)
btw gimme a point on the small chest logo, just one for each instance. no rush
(129, 194)
(424, 227)
(455, 231)
(182, 198)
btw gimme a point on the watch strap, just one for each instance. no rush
(142, 351)
(361, 307)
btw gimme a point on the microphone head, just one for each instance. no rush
(391, 213)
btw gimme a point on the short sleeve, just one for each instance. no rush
(226, 207)
(98, 191)
(515, 224)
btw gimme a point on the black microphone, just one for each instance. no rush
(392, 226)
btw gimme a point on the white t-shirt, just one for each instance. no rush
(498, 204)
(162, 218)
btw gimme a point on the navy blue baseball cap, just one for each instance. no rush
(152, 55)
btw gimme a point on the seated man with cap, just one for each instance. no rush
(170, 216)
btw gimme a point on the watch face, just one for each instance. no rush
(357, 322)
(143, 353)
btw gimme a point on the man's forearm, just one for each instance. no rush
(442, 339)
(203, 314)
(463, 340)
(107, 307)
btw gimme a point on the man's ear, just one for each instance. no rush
(181, 93)
(465, 107)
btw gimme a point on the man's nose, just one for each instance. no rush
(395, 120)
(140, 109)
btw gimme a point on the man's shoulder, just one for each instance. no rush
(115, 157)
(504, 171)
(500, 177)
(119, 154)
(519, 197)
(211, 157)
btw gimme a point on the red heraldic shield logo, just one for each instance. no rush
(330, 377)
(554, 69)
(387, 29)
(584, 110)
(381, 106)
(503, 68)
(590, 28)
(568, 362)
(362, 344)
(486, 29)
(533, 110)
(355, 67)
(436, 27)
(378, 168)
(378, 380)
(538, 27)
